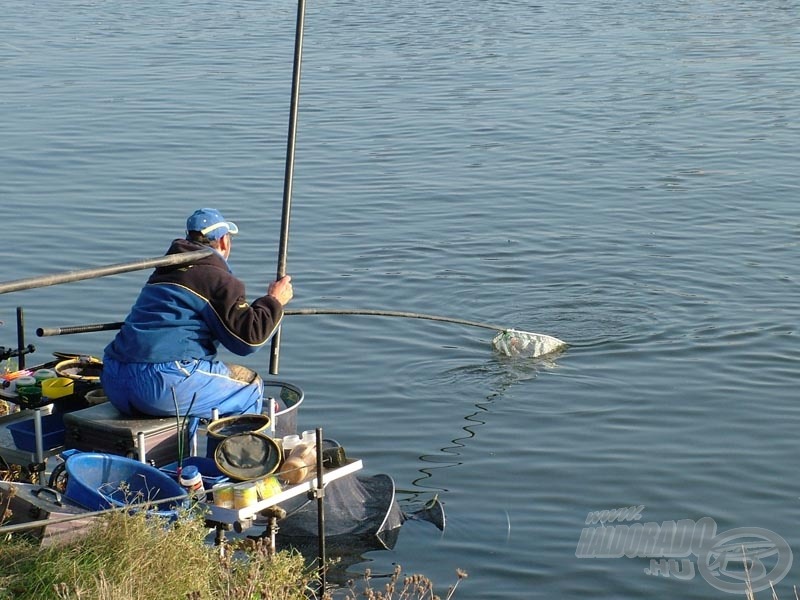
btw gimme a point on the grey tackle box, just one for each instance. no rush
(102, 428)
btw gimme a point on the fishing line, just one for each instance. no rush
(508, 341)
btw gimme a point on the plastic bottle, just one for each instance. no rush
(192, 480)
(288, 442)
(300, 462)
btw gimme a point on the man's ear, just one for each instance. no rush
(225, 245)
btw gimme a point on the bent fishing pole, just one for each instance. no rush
(507, 341)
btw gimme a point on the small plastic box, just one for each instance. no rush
(22, 432)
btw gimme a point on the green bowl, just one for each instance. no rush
(30, 393)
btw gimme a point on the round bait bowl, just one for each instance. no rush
(220, 429)
(84, 368)
(98, 481)
(247, 456)
(30, 393)
(57, 387)
(96, 396)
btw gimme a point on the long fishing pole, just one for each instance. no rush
(508, 340)
(284, 241)
(30, 283)
(288, 177)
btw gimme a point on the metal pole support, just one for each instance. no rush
(320, 494)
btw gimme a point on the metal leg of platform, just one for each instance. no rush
(37, 433)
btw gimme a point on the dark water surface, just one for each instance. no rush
(620, 175)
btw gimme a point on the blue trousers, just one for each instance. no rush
(190, 388)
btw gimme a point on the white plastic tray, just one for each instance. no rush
(219, 514)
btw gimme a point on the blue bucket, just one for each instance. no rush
(99, 481)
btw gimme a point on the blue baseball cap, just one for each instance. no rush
(211, 223)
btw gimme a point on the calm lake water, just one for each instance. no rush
(620, 175)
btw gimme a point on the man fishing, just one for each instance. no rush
(163, 359)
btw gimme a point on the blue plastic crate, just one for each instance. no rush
(22, 432)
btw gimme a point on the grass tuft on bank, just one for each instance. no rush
(133, 557)
(130, 556)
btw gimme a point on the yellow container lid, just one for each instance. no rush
(57, 387)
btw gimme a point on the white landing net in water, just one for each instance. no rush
(511, 342)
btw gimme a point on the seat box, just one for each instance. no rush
(28, 503)
(102, 428)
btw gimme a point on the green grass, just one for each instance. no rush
(399, 587)
(132, 557)
(126, 556)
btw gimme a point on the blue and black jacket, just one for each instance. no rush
(184, 312)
